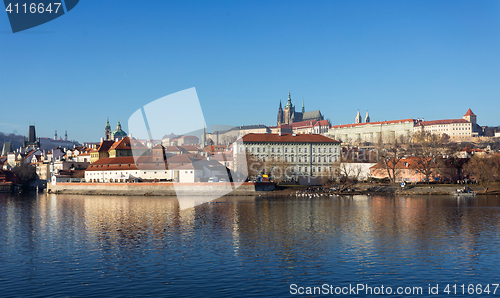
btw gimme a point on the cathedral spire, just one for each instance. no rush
(358, 118)
(303, 107)
(289, 101)
(367, 117)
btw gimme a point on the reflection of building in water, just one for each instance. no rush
(129, 217)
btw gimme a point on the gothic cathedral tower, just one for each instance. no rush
(280, 115)
(289, 112)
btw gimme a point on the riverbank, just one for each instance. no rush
(384, 189)
(258, 188)
(162, 189)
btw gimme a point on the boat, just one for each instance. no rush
(464, 192)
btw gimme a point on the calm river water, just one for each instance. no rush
(67, 245)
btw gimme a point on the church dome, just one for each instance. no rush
(118, 133)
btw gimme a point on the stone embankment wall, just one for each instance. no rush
(161, 189)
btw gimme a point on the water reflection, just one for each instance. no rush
(150, 245)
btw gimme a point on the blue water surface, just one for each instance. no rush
(119, 246)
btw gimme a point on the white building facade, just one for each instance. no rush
(305, 154)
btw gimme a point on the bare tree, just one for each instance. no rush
(390, 154)
(484, 169)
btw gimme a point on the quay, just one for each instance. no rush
(162, 188)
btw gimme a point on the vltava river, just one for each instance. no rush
(67, 245)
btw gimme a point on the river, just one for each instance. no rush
(81, 246)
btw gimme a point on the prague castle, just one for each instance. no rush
(288, 115)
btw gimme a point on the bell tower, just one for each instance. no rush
(107, 131)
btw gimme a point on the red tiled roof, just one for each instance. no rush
(104, 146)
(445, 121)
(374, 123)
(172, 149)
(287, 138)
(303, 123)
(189, 148)
(410, 163)
(121, 144)
(469, 113)
(322, 123)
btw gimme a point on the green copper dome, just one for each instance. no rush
(118, 133)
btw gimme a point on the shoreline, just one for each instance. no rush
(255, 189)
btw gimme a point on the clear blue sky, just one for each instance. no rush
(397, 59)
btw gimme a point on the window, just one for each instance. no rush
(305, 169)
(264, 149)
(251, 149)
(300, 159)
(324, 158)
(300, 150)
(314, 150)
(319, 169)
(258, 149)
(272, 149)
(313, 159)
(291, 149)
(278, 149)
(300, 169)
(286, 149)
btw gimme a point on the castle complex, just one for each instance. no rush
(288, 115)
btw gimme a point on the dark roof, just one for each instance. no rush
(312, 115)
(446, 121)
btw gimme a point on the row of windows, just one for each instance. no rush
(292, 158)
(304, 170)
(292, 150)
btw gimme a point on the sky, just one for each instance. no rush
(396, 59)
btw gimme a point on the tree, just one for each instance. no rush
(425, 148)
(484, 169)
(278, 169)
(390, 153)
(25, 172)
